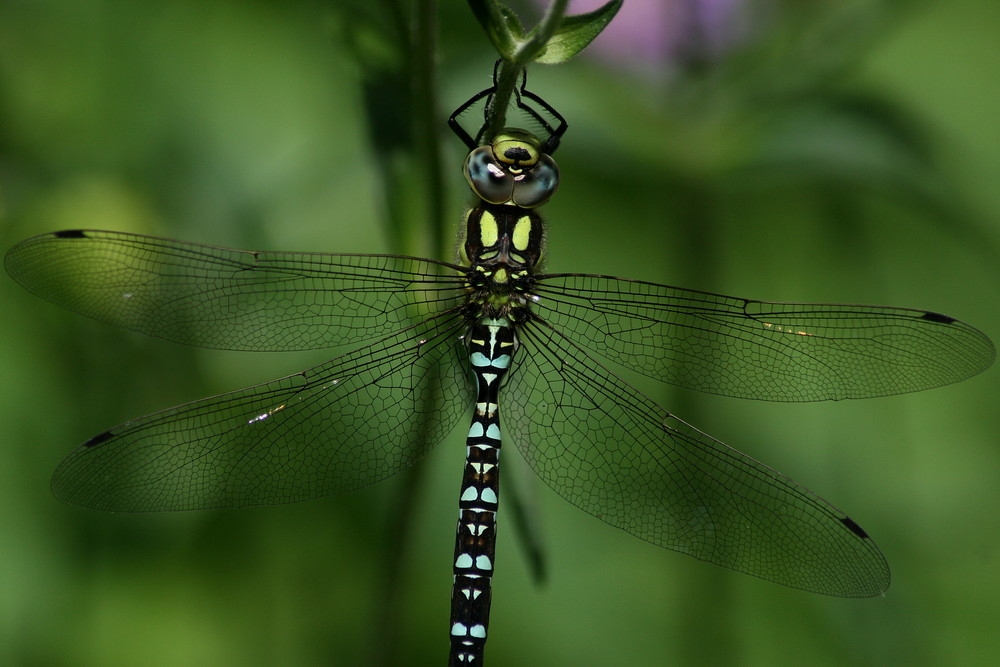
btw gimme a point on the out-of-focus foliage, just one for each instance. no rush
(836, 151)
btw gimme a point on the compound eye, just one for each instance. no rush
(487, 178)
(536, 186)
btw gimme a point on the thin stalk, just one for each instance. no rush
(421, 39)
(512, 67)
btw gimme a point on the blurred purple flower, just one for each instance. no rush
(655, 34)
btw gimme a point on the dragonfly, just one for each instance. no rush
(493, 335)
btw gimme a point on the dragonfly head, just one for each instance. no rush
(512, 169)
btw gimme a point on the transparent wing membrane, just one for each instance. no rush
(605, 447)
(342, 425)
(755, 349)
(617, 455)
(215, 297)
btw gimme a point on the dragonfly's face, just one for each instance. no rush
(512, 170)
(517, 150)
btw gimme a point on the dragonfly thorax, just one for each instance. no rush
(503, 247)
(508, 237)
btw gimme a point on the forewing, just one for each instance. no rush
(232, 299)
(756, 349)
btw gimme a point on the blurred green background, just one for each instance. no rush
(824, 151)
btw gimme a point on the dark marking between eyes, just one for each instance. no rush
(855, 528)
(517, 154)
(938, 317)
(98, 439)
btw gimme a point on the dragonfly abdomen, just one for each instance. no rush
(492, 343)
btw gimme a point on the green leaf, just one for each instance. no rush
(576, 32)
(555, 39)
(501, 25)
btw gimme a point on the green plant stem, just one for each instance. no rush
(421, 40)
(427, 119)
(514, 64)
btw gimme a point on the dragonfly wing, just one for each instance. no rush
(614, 453)
(350, 422)
(756, 349)
(231, 299)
